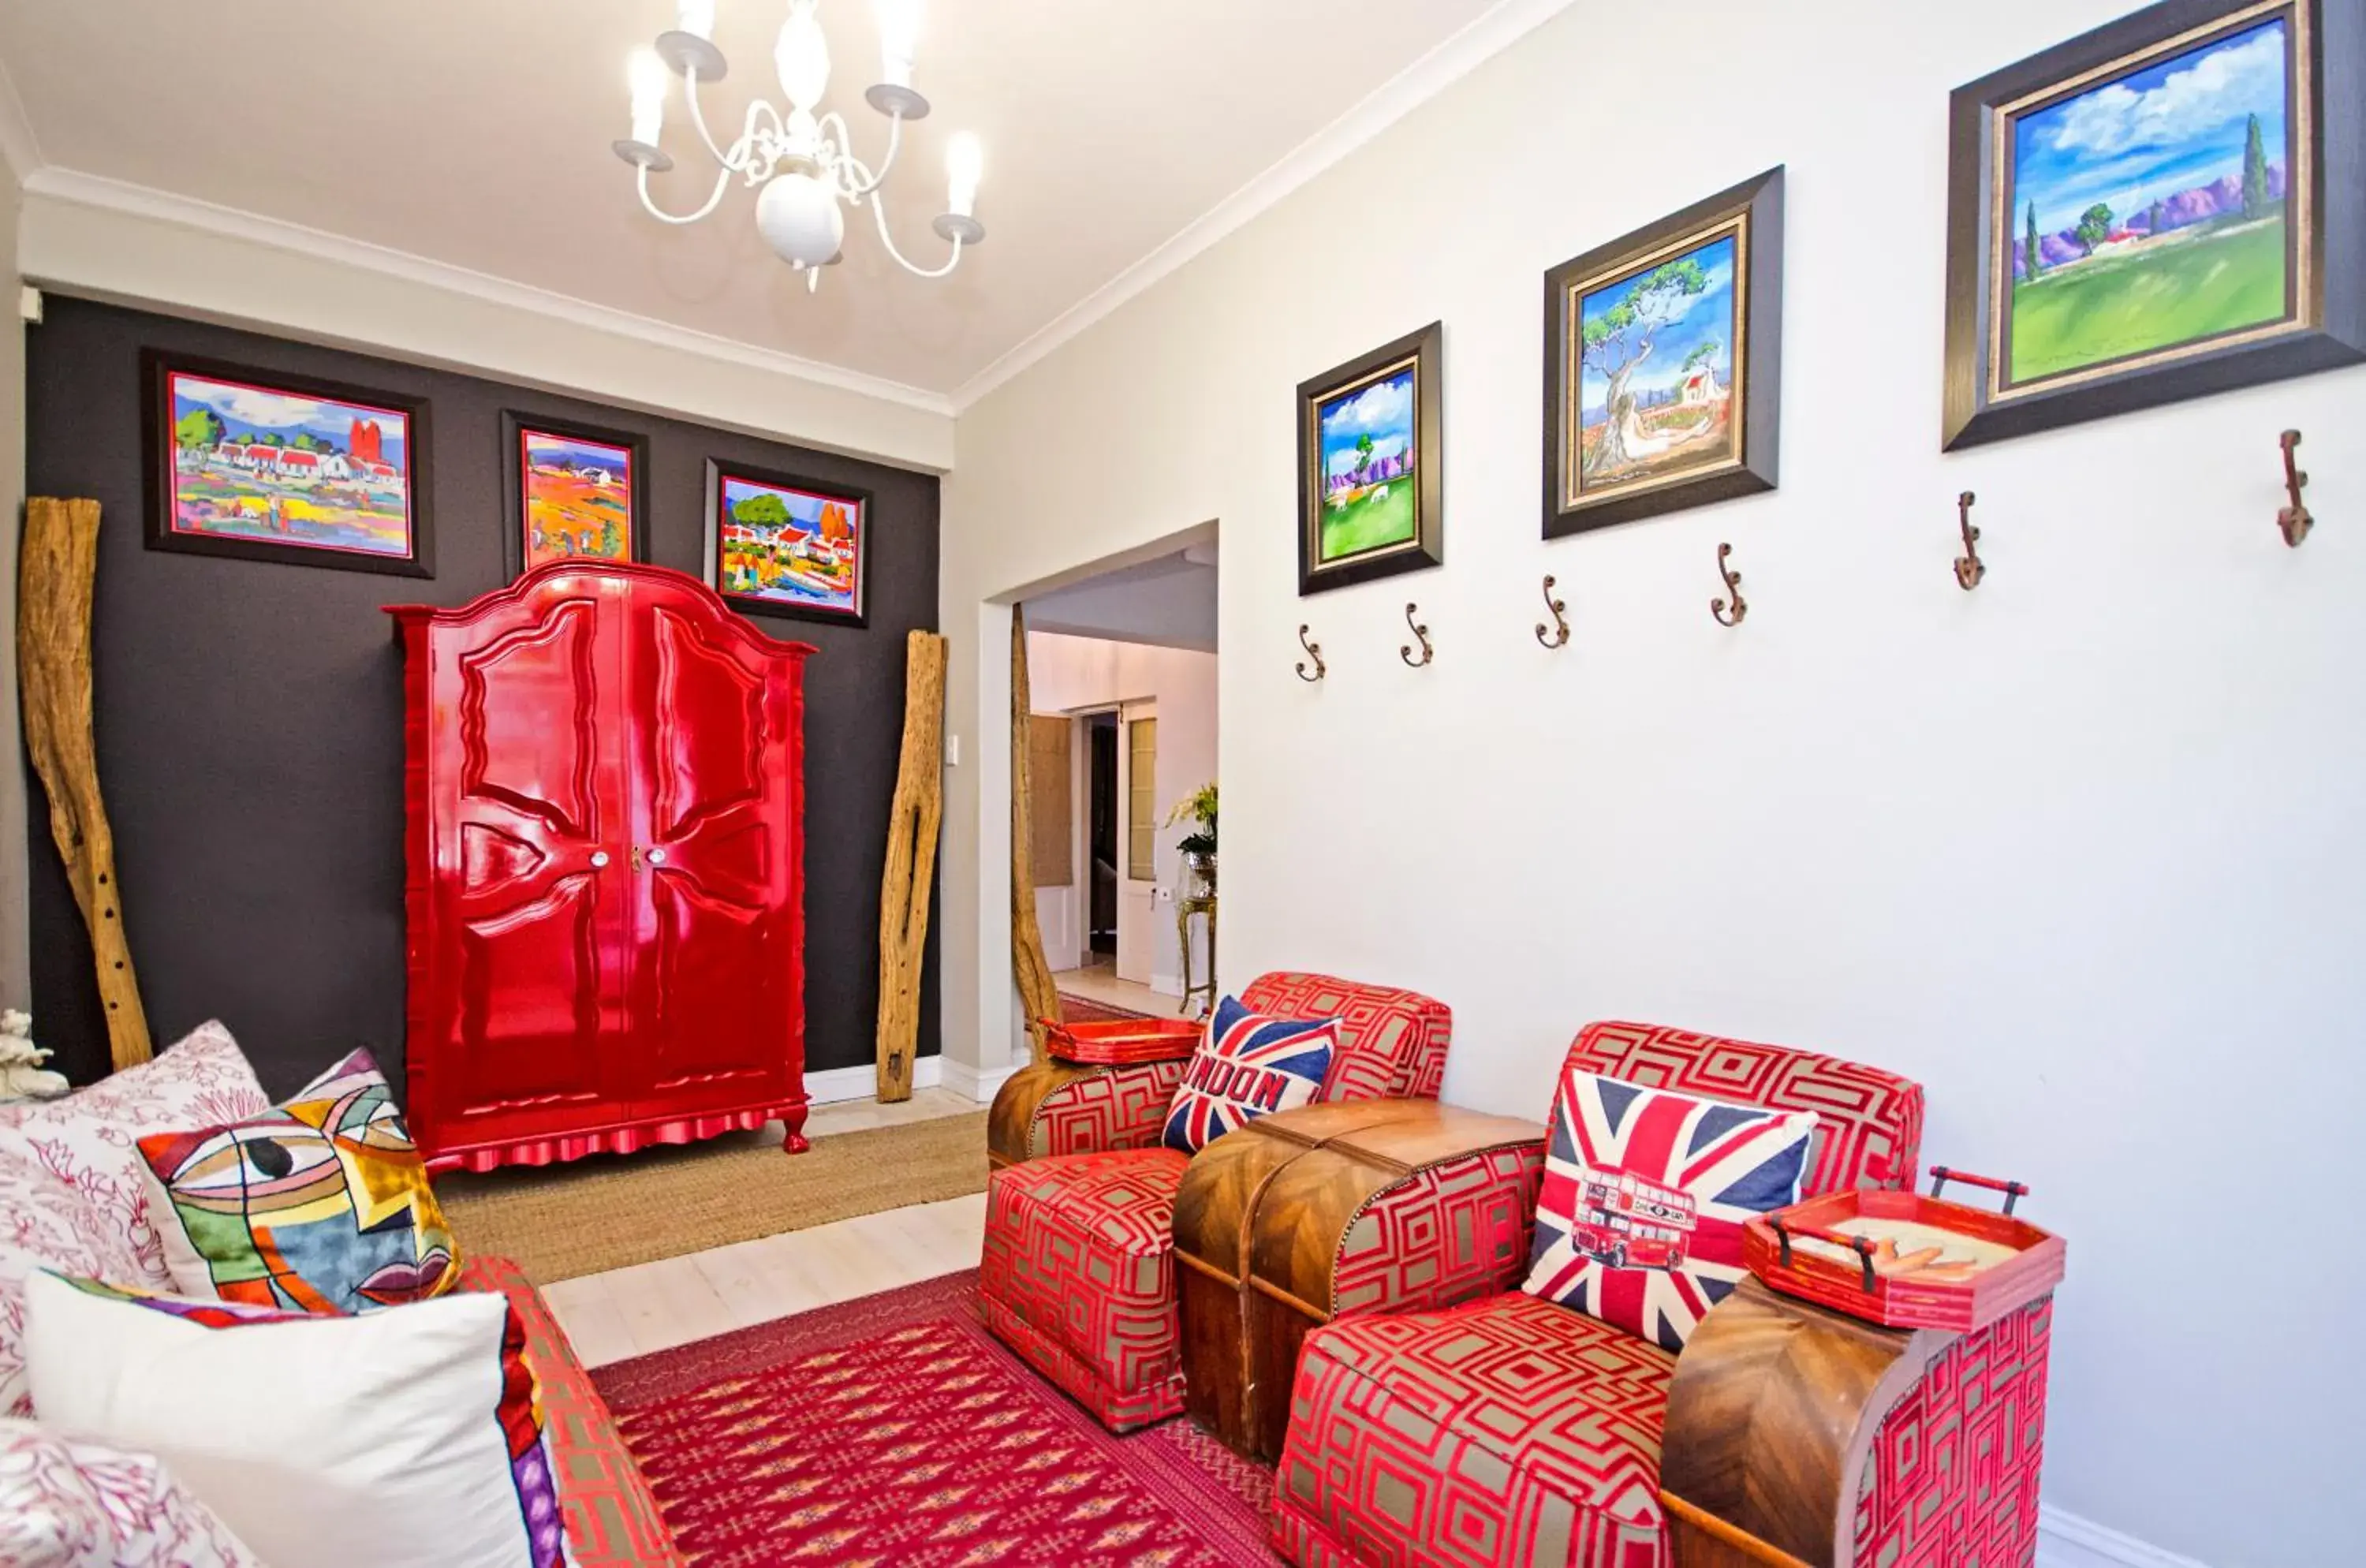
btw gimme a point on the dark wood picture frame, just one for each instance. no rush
(1424, 351)
(158, 452)
(516, 426)
(2325, 266)
(719, 471)
(1752, 211)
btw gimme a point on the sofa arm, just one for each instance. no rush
(1798, 1435)
(1352, 1206)
(1068, 1108)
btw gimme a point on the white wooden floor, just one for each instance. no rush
(1101, 985)
(624, 1313)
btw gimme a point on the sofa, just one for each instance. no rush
(70, 1202)
(1510, 1429)
(1078, 1274)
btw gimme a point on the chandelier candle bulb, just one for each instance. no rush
(696, 17)
(964, 162)
(647, 73)
(899, 39)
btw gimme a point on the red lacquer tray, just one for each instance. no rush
(1122, 1043)
(1895, 1291)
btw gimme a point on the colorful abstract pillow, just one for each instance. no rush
(384, 1440)
(1645, 1194)
(1249, 1065)
(66, 1505)
(319, 1205)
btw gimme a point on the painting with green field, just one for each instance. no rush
(1370, 501)
(2150, 208)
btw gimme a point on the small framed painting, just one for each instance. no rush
(290, 469)
(1663, 363)
(570, 493)
(781, 546)
(2170, 206)
(1372, 485)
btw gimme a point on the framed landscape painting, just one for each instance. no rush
(1663, 363)
(781, 546)
(2167, 207)
(289, 469)
(571, 493)
(1370, 491)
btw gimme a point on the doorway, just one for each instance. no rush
(1100, 729)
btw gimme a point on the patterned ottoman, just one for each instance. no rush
(1079, 1277)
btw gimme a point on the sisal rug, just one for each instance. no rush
(894, 1432)
(609, 1210)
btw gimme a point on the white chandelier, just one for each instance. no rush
(803, 160)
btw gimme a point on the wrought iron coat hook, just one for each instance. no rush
(1313, 651)
(2295, 519)
(1561, 637)
(1969, 568)
(1421, 634)
(1732, 586)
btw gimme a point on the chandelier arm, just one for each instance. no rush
(879, 209)
(698, 118)
(721, 181)
(871, 182)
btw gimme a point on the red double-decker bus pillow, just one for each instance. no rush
(1645, 1192)
(1249, 1065)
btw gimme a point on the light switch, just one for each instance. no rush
(952, 750)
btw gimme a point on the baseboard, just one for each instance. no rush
(978, 1084)
(1167, 985)
(2066, 1540)
(838, 1085)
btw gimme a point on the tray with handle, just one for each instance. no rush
(1906, 1260)
(1121, 1043)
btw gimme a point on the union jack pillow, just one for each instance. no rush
(1249, 1065)
(1645, 1194)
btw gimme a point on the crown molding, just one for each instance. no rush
(74, 188)
(2067, 1540)
(17, 146)
(1424, 79)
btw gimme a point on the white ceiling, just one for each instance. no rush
(474, 134)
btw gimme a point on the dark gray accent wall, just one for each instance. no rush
(249, 716)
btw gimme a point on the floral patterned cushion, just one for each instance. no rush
(90, 1137)
(44, 1224)
(72, 1505)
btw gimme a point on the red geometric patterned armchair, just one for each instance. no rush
(1511, 1431)
(1079, 1275)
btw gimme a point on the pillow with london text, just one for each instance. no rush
(1645, 1194)
(319, 1205)
(1249, 1065)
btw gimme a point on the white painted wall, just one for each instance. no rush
(2081, 851)
(1067, 674)
(15, 979)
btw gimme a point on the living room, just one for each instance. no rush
(1893, 625)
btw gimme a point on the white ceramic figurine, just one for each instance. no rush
(21, 1075)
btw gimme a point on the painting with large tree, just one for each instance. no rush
(1656, 367)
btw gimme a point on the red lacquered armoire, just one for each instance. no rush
(605, 835)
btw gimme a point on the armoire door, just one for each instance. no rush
(530, 877)
(718, 986)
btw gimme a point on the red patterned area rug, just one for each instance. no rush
(894, 1431)
(1076, 1009)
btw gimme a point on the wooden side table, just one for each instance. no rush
(1199, 904)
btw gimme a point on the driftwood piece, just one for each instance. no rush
(1036, 990)
(912, 824)
(57, 572)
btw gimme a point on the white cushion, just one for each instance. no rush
(88, 1138)
(87, 1505)
(391, 1439)
(44, 1224)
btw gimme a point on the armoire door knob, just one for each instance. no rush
(599, 858)
(656, 857)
